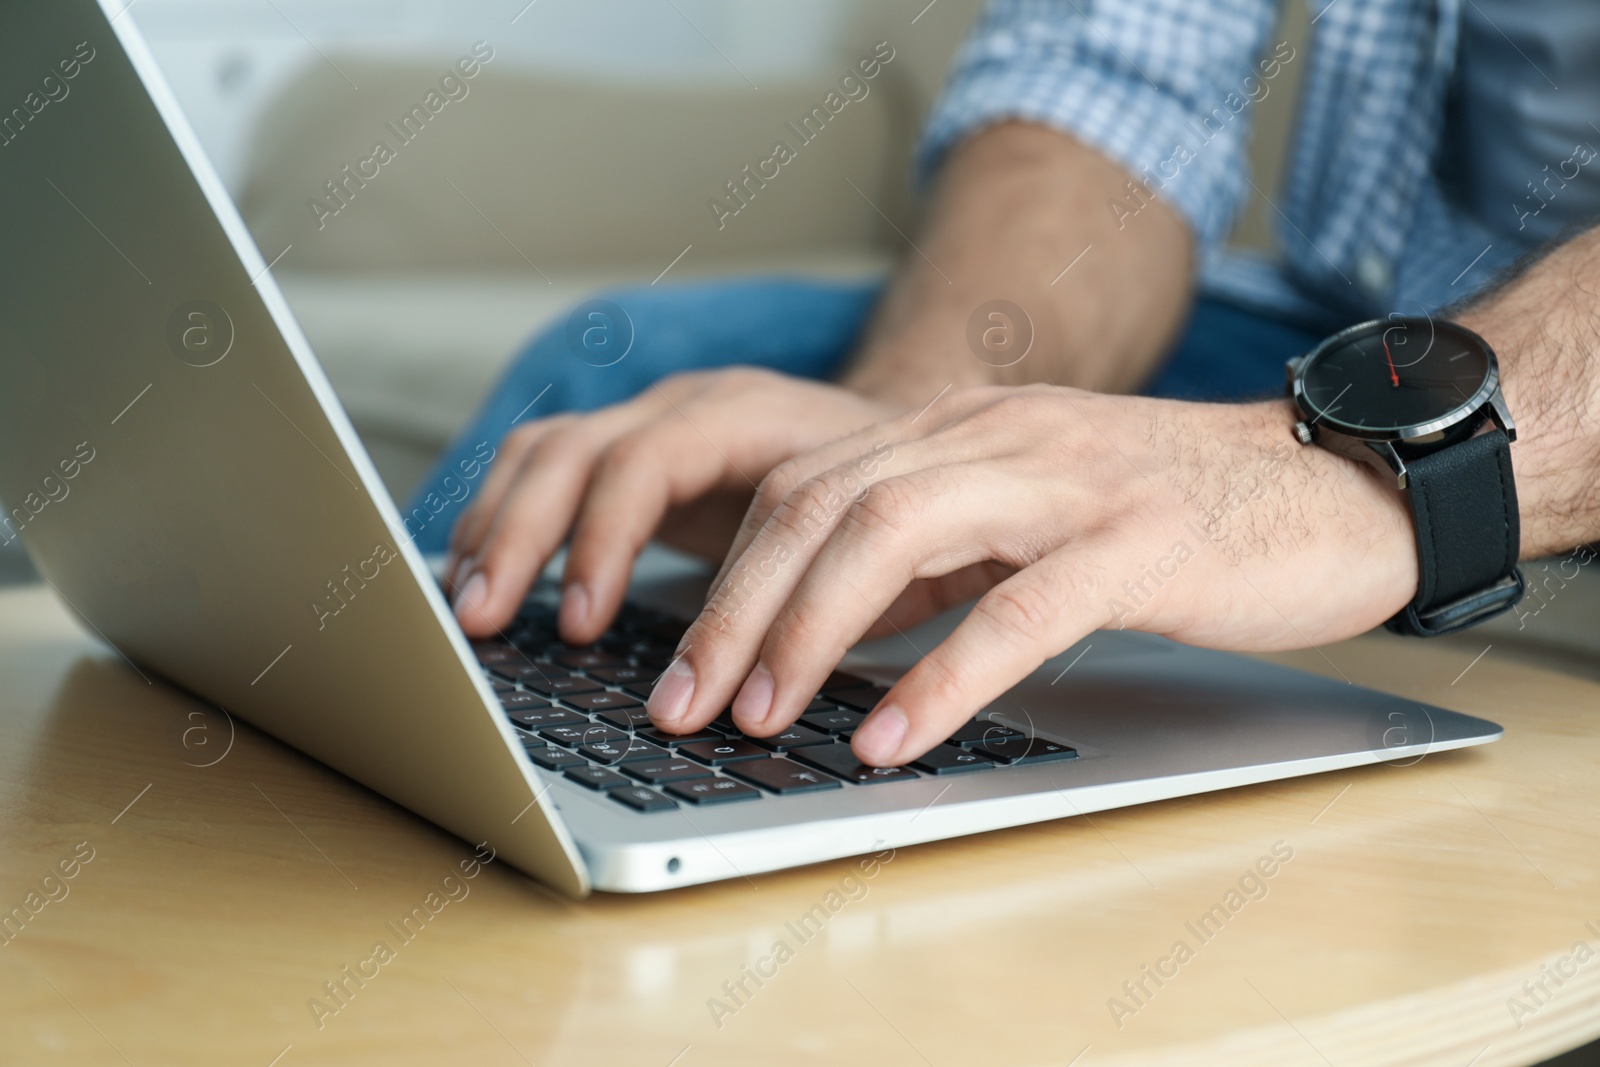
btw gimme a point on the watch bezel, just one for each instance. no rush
(1468, 408)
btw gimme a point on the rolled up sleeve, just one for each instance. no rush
(1152, 84)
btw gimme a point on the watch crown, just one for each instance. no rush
(1303, 433)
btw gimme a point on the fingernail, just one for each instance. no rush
(754, 702)
(574, 607)
(670, 698)
(878, 740)
(469, 601)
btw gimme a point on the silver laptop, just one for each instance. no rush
(178, 467)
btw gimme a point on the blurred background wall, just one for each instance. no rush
(227, 59)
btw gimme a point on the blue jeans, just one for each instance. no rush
(609, 349)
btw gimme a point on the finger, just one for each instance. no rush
(475, 525)
(928, 524)
(705, 441)
(475, 520)
(867, 451)
(530, 524)
(875, 443)
(927, 597)
(1039, 612)
(641, 475)
(719, 648)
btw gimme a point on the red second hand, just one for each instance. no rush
(1394, 375)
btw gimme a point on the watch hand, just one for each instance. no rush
(1394, 375)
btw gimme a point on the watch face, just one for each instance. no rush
(1395, 375)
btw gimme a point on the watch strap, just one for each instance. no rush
(1464, 505)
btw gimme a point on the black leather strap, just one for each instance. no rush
(1464, 503)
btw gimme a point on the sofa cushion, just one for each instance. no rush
(543, 176)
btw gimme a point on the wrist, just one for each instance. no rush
(1337, 494)
(1553, 393)
(909, 373)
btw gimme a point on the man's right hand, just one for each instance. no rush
(682, 457)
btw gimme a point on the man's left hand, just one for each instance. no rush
(1064, 512)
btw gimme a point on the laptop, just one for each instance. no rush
(181, 472)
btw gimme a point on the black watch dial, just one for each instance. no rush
(1394, 375)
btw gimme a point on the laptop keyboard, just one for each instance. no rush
(580, 712)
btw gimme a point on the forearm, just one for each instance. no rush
(1014, 207)
(1545, 328)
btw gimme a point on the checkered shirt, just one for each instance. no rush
(1363, 225)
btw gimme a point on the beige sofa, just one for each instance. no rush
(529, 192)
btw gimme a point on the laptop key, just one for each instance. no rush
(948, 759)
(532, 631)
(837, 759)
(500, 685)
(639, 798)
(538, 718)
(661, 737)
(837, 721)
(538, 614)
(532, 635)
(782, 777)
(597, 777)
(561, 687)
(521, 670)
(664, 630)
(517, 700)
(864, 699)
(583, 659)
(625, 718)
(601, 701)
(727, 750)
(625, 750)
(712, 790)
(580, 733)
(1017, 750)
(842, 680)
(623, 676)
(664, 770)
(977, 732)
(724, 723)
(796, 736)
(551, 758)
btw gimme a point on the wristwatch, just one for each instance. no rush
(1422, 397)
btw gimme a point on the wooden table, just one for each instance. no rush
(229, 883)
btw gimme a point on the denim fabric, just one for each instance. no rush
(798, 327)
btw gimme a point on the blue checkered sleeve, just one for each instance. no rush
(1160, 86)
